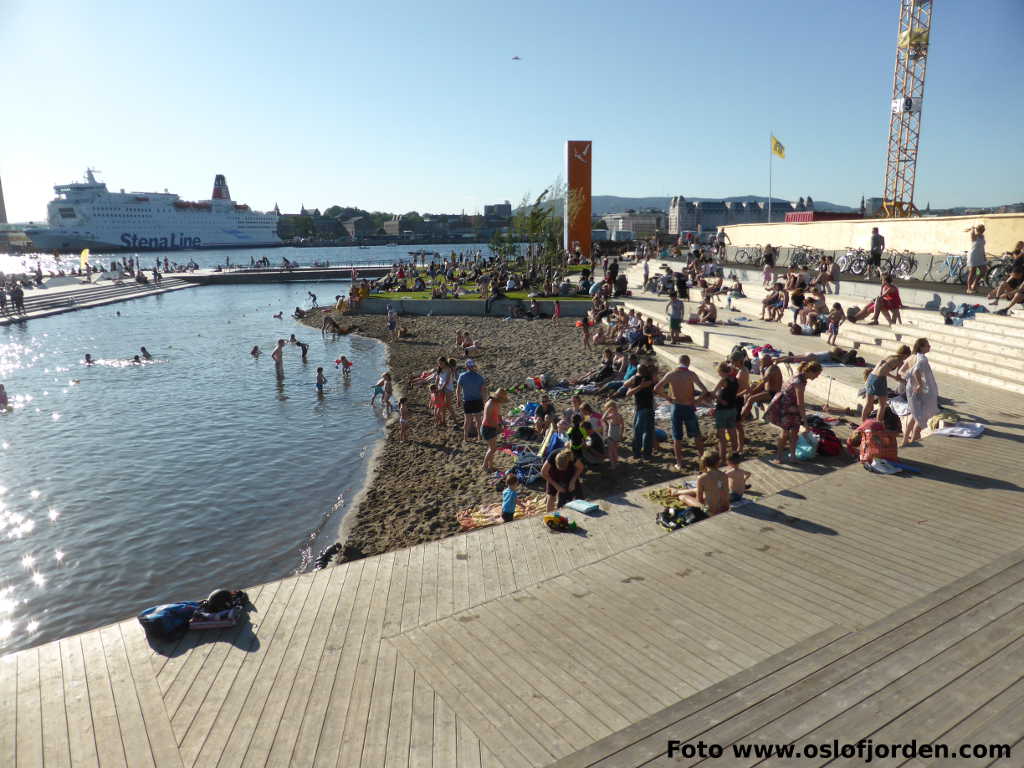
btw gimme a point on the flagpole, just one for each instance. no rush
(770, 153)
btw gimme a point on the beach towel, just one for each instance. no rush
(583, 506)
(961, 430)
(484, 515)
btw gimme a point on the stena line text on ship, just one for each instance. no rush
(88, 215)
(172, 243)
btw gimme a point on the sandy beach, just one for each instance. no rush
(416, 487)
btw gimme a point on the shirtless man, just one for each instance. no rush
(712, 492)
(876, 388)
(676, 386)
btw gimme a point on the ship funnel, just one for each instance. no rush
(220, 188)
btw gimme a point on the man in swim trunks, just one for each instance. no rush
(471, 389)
(677, 386)
(674, 309)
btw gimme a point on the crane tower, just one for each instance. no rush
(905, 110)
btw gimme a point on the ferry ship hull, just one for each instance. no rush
(87, 215)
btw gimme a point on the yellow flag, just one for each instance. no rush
(83, 259)
(778, 149)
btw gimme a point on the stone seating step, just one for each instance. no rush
(971, 356)
(978, 372)
(968, 335)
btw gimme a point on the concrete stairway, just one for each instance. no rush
(42, 303)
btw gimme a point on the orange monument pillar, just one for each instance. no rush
(578, 157)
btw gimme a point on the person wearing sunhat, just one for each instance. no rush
(491, 426)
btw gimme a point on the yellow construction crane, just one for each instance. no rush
(905, 110)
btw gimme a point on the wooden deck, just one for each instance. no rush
(511, 646)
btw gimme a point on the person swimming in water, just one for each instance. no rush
(88, 359)
(136, 360)
(279, 316)
(255, 351)
(3, 398)
(145, 353)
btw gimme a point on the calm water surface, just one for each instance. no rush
(123, 486)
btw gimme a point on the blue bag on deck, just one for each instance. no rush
(167, 622)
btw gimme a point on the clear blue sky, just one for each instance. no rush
(419, 106)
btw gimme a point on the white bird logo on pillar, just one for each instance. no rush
(583, 156)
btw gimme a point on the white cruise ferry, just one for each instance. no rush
(86, 215)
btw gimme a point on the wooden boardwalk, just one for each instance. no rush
(511, 646)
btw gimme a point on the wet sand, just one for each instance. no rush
(416, 487)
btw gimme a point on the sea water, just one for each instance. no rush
(124, 486)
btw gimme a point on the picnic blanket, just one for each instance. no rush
(484, 515)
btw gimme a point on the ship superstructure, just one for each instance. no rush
(87, 215)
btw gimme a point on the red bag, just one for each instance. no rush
(876, 441)
(829, 443)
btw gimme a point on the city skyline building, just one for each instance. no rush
(705, 215)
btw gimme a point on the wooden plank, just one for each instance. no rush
(366, 668)
(29, 738)
(345, 631)
(445, 749)
(1007, 728)
(770, 689)
(454, 686)
(570, 682)
(890, 688)
(162, 742)
(544, 700)
(489, 559)
(428, 586)
(675, 615)
(56, 750)
(488, 758)
(202, 740)
(463, 591)
(216, 668)
(399, 728)
(469, 747)
(8, 709)
(830, 692)
(327, 729)
(632, 695)
(109, 746)
(421, 737)
(375, 739)
(272, 691)
(646, 638)
(933, 708)
(678, 564)
(303, 687)
(524, 557)
(445, 576)
(241, 711)
(413, 586)
(503, 559)
(81, 732)
(766, 626)
(474, 567)
(129, 711)
(396, 593)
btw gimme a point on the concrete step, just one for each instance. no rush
(972, 370)
(983, 355)
(992, 323)
(968, 335)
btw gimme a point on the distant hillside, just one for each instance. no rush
(605, 204)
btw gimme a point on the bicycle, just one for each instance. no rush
(799, 257)
(748, 255)
(953, 269)
(902, 264)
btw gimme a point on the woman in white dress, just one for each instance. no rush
(922, 391)
(976, 260)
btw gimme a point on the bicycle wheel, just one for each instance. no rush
(906, 267)
(742, 256)
(997, 273)
(843, 262)
(858, 265)
(958, 272)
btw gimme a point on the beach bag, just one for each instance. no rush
(806, 446)
(876, 442)
(828, 442)
(167, 622)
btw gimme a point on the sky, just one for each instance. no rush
(401, 106)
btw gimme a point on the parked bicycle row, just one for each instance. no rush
(941, 267)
